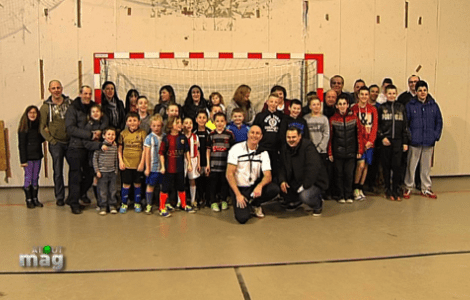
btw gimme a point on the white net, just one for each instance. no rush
(213, 75)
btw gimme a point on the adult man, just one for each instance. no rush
(337, 85)
(382, 97)
(303, 174)
(249, 188)
(329, 105)
(425, 124)
(80, 171)
(405, 97)
(52, 128)
(357, 86)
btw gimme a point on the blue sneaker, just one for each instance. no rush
(169, 207)
(123, 209)
(164, 213)
(138, 208)
(189, 209)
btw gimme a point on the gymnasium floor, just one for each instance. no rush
(376, 249)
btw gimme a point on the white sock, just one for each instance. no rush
(192, 190)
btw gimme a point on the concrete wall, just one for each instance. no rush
(360, 39)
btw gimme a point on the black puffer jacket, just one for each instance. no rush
(30, 144)
(392, 122)
(345, 136)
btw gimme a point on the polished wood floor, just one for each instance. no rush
(376, 249)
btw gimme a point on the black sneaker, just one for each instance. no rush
(293, 206)
(60, 202)
(85, 200)
(317, 212)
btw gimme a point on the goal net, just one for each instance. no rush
(299, 74)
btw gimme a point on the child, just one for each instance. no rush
(194, 155)
(97, 121)
(217, 99)
(214, 110)
(173, 150)
(173, 110)
(344, 147)
(220, 141)
(152, 158)
(142, 105)
(393, 132)
(294, 119)
(270, 122)
(30, 148)
(106, 168)
(319, 129)
(237, 127)
(367, 115)
(202, 133)
(131, 160)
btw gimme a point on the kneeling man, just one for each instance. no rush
(249, 177)
(302, 174)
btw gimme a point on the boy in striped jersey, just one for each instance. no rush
(152, 159)
(105, 163)
(220, 141)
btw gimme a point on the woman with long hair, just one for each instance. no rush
(241, 99)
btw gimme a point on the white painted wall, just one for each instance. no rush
(354, 45)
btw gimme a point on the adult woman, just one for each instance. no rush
(194, 102)
(241, 99)
(112, 107)
(131, 101)
(167, 96)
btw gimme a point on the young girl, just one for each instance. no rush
(152, 145)
(131, 101)
(30, 148)
(202, 133)
(97, 121)
(194, 154)
(173, 150)
(217, 99)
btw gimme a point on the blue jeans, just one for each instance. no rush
(58, 152)
(311, 197)
(107, 189)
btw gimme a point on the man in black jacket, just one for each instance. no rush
(302, 175)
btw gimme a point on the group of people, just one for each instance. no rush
(287, 152)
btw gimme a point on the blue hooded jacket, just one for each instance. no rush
(425, 121)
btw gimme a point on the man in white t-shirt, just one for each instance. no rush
(249, 176)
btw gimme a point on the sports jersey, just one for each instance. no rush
(153, 142)
(173, 147)
(219, 144)
(132, 143)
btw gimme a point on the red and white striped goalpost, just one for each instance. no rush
(318, 77)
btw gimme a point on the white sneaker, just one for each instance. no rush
(258, 212)
(357, 195)
(349, 201)
(362, 195)
(342, 201)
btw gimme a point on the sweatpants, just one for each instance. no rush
(423, 155)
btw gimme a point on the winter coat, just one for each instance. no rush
(425, 122)
(30, 144)
(346, 138)
(392, 122)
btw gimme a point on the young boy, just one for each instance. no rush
(237, 127)
(294, 119)
(173, 110)
(142, 105)
(214, 110)
(393, 132)
(220, 141)
(319, 129)
(270, 122)
(106, 167)
(131, 160)
(203, 133)
(344, 147)
(152, 145)
(367, 115)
